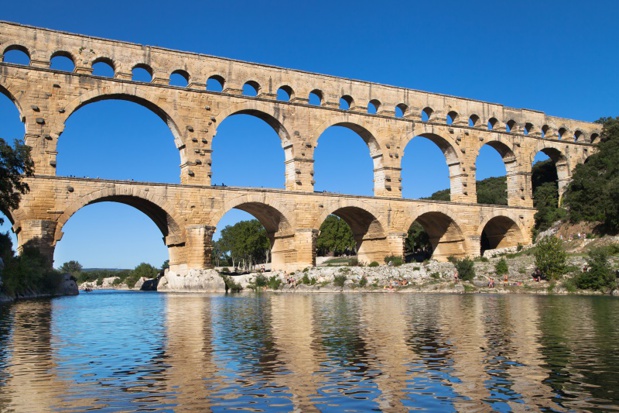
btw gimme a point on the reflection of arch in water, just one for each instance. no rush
(500, 232)
(446, 237)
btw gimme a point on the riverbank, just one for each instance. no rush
(66, 287)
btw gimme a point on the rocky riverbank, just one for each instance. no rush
(66, 287)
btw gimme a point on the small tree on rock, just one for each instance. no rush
(550, 257)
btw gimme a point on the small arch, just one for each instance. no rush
(528, 128)
(473, 120)
(545, 130)
(578, 135)
(285, 93)
(426, 114)
(346, 102)
(179, 78)
(104, 67)
(315, 97)
(373, 106)
(400, 110)
(595, 138)
(492, 122)
(62, 61)
(510, 125)
(561, 133)
(451, 117)
(142, 73)
(251, 88)
(215, 83)
(500, 232)
(16, 54)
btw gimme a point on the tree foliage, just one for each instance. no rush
(417, 239)
(599, 274)
(15, 164)
(550, 257)
(465, 268)
(71, 267)
(593, 194)
(335, 237)
(142, 270)
(245, 241)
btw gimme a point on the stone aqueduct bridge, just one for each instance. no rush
(187, 213)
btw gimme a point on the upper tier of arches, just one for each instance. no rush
(219, 75)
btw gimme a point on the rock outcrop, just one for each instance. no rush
(193, 280)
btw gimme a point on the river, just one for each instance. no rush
(113, 351)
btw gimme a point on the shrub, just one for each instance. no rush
(501, 267)
(363, 281)
(339, 280)
(465, 268)
(374, 264)
(599, 276)
(395, 260)
(435, 275)
(354, 262)
(231, 285)
(550, 257)
(274, 282)
(261, 280)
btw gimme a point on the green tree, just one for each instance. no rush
(550, 257)
(599, 275)
(142, 270)
(597, 179)
(335, 237)
(465, 268)
(246, 241)
(545, 185)
(417, 239)
(501, 267)
(15, 165)
(71, 267)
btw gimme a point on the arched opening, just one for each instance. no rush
(400, 110)
(251, 89)
(545, 130)
(103, 67)
(118, 234)
(285, 93)
(545, 188)
(417, 246)
(595, 138)
(215, 84)
(425, 170)
(367, 232)
(426, 114)
(142, 73)
(373, 106)
(510, 125)
(500, 232)
(491, 173)
(528, 128)
(247, 151)
(561, 133)
(11, 128)
(443, 237)
(473, 121)
(335, 239)
(342, 162)
(346, 102)
(62, 61)
(179, 78)
(492, 123)
(118, 139)
(17, 55)
(451, 117)
(250, 234)
(578, 135)
(315, 97)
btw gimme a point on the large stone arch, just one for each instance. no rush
(368, 136)
(130, 93)
(512, 174)
(446, 236)
(564, 174)
(454, 163)
(368, 231)
(153, 206)
(500, 232)
(278, 227)
(270, 113)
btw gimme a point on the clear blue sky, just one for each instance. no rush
(560, 57)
